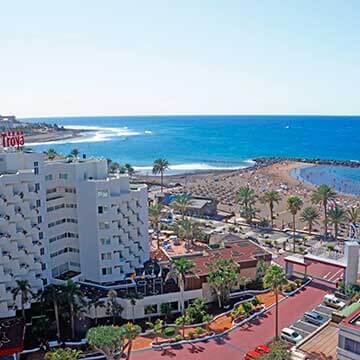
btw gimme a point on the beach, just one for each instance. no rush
(223, 186)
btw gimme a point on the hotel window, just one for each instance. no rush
(352, 346)
(104, 225)
(105, 241)
(106, 271)
(63, 176)
(48, 177)
(38, 203)
(102, 193)
(150, 309)
(106, 256)
(39, 219)
(37, 187)
(102, 209)
(42, 251)
(41, 235)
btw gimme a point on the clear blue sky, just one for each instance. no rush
(73, 57)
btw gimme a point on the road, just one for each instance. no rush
(245, 338)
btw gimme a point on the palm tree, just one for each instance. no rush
(271, 198)
(180, 268)
(23, 289)
(336, 217)
(114, 309)
(275, 278)
(322, 195)
(181, 204)
(294, 204)
(189, 230)
(159, 167)
(51, 154)
(246, 198)
(156, 327)
(74, 152)
(353, 215)
(129, 169)
(165, 310)
(52, 294)
(310, 216)
(96, 304)
(73, 296)
(155, 217)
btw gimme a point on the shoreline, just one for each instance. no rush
(58, 135)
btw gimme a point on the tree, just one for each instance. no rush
(63, 354)
(180, 268)
(181, 321)
(189, 230)
(336, 217)
(271, 198)
(109, 340)
(130, 331)
(73, 297)
(222, 277)
(159, 167)
(96, 304)
(150, 310)
(156, 327)
(353, 215)
(129, 169)
(23, 289)
(207, 318)
(51, 294)
(51, 154)
(294, 204)
(278, 351)
(40, 329)
(74, 152)
(196, 311)
(246, 199)
(275, 278)
(323, 195)
(165, 310)
(113, 166)
(155, 217)
(244, 281)
(114, 309)
(309, 216)
(181, 204)
(261, 268)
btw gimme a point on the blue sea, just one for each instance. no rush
(192, 143)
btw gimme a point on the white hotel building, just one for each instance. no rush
(67, 218)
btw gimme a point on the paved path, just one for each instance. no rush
(238, 342)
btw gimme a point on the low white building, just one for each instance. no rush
(66, 218)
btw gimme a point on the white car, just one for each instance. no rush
(290, 335)
(333, 301)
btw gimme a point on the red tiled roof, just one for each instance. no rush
(240, 251)
(158, 255)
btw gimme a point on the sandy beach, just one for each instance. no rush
(49, 136)
(223, 186)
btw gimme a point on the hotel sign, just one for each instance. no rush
(13, 139)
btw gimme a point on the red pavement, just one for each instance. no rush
(316, 269)
(238, 342)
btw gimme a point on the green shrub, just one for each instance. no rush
(169, 331)
(298, 282)
(256, 301)
(191, 334)
(199, 331)
(178, 338)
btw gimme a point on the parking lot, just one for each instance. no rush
(304, 328)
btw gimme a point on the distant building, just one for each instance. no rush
(8, 122)
(349, 337)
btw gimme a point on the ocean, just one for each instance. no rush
(193, 143)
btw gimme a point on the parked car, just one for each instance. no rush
(290, 335)
(258, 352)
(314, 317)
(333, 301)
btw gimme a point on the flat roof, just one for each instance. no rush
(352, 321)
(323, 345)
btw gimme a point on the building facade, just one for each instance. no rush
(66, 219)
(349, 338)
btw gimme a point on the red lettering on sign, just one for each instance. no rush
(12, 138)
